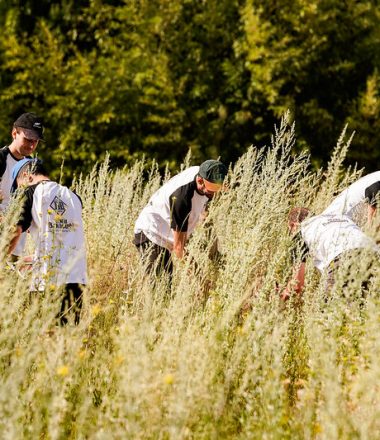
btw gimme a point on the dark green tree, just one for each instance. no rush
(158, 77)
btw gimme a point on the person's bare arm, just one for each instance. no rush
(15, 239)
(179, 243)
(371, 212)
(296, 283)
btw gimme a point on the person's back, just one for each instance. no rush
(156, 218)
(57, 229)
(350, 201)
(329, 236)
(53, 214)
(329, 240)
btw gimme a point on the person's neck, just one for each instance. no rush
(15, 153)
(39, 178)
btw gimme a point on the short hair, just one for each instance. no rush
(372, 194)
(298, 215)
(35, 167)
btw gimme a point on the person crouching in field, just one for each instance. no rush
(53, 213)
(166, 222)
(329, 240)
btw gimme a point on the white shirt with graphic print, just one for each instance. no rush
(54, 214)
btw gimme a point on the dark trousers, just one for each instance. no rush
(71, 303)
(156, 258)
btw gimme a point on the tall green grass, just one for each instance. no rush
(217, 355)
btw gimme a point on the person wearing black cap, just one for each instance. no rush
(27, 131)
(167, 221)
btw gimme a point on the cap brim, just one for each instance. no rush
(214, 187)
(31, 134)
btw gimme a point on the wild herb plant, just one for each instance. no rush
(216, 355)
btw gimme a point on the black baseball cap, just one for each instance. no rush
(31, 124)
(372, 194)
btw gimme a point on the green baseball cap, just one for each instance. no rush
(213, 171)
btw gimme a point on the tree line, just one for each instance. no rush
(157, 77)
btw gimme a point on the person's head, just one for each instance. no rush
(26, 133)
(210, 177)
(26, 172)
(372, 198)
(296, 216)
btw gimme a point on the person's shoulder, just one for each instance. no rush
(365, 181)
(3, 159)
(183, 182)
(188, 174)
(375, 175)
(194, 169)
(77, 196)
(30, 190)
(71, 193)
(185, 190)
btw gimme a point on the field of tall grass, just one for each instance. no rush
(217, 355)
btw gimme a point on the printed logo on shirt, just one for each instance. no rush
(334, 220)
(58, 205)
(59, 222)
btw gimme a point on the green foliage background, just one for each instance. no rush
(158, 77)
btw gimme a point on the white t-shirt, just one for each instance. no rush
(54, 215)
(328, 236)
(350, 201)
(175, 206)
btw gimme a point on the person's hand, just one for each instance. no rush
(284, 296)
(24, 265)
(177, 261)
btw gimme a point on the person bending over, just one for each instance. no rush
(53, 213)
(167, 221)
(327, 239)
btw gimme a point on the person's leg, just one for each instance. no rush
(71, 303)
(154, 256)
(167, 261)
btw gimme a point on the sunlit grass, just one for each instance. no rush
(215, 356)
